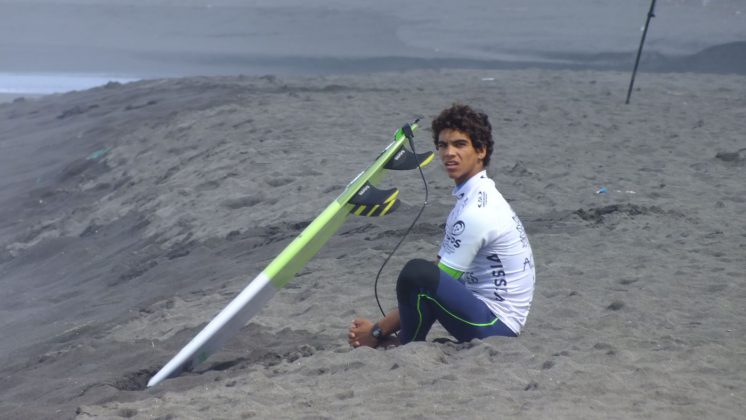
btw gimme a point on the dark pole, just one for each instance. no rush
(651, 14)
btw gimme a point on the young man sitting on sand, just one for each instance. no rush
(482, 283)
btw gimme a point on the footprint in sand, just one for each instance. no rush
(242, 202)
(279, 181)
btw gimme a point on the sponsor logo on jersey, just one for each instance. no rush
(521, 232)
(481, 199)
(470, 278)
(458, 228)
(450, 244)
(499, 277)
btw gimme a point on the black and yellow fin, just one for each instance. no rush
(375, 210)
(405, 160)
(369, 201)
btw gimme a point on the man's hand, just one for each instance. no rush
(359, 333)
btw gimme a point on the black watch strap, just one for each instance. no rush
(376, 332)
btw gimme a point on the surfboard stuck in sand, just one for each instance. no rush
(361, 197)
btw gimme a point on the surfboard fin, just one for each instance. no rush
(405, 160)
(369, 201)
(375, 210)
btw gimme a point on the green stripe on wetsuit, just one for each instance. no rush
(450, 271)
(456, 274)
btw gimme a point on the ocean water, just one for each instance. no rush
(59, 45)
(43, 84)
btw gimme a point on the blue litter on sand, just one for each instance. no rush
(602, 190)
(98, 154)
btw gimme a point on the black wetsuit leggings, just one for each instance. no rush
(427, 294)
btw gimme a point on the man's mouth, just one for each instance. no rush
(451, 164)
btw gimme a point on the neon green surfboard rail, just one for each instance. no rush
(282, 269)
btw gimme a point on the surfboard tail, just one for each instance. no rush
(222, 328)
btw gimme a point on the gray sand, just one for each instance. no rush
(131, 214)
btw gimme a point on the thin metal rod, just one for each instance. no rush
(651, 14)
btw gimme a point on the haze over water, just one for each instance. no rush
(58, 45)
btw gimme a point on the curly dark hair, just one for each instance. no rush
(474, 123)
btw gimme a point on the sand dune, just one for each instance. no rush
(130, 214)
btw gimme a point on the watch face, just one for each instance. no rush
(376, 331)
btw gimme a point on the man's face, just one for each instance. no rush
(460, 159)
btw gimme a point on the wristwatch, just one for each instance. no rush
(376, 332)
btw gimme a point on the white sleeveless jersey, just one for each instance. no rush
(486, 241)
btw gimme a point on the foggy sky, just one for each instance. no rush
(159, 38)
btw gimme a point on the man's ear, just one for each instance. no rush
(481, 153)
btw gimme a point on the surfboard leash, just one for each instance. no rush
(407, 130)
